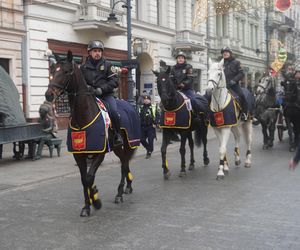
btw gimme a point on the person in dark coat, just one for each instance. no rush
(149, 120)
(182, 77)
(295, 160)
(234, 74)
(102, 79)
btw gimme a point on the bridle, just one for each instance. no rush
(217, 83)
(65, 86)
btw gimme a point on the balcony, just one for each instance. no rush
(92, 16)
(189, 41)
(275, 19)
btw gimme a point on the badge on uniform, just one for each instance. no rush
(184, 71)
(114, 69)
(101, 67)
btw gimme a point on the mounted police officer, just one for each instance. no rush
(149, 120)
(234, 74)
(102, 80)
(182, 76)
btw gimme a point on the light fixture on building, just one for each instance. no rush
(137, 46)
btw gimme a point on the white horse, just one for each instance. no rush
(220, 99)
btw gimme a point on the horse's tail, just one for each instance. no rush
(198, 136)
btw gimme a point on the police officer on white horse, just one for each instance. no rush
(234, 74)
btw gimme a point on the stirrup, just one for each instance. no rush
(244, 117)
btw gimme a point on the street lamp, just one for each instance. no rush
(112, 18)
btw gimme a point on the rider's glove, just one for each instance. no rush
(98, 92)
(232, 82)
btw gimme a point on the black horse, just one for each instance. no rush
(172, 100)
(266, 111)
(291, 111)
(67, 78)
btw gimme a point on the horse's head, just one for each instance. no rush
(267, 85)
(216, 76)
(61, 77)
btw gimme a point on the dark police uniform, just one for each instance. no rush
(149, 118)
(234, 73)
(100, 74)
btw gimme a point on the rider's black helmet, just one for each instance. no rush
(226, 49)
(181, 53)
(95, 44)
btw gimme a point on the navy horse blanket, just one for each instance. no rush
(93, 138)
(130, 122)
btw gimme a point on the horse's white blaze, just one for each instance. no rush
(220, 95)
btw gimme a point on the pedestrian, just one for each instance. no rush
(295, 160)
(102, 80)
(149, 120)
(182, 76)
(234, 74)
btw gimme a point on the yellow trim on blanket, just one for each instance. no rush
(84, 127)
(134, 147)
(174, 110)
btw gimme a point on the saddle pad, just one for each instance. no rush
(224, 118)
(178, 118)
(89, 139)
(130, 122)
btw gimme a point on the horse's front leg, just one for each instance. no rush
(166, 136)
(272, 127)
(223, 136)
(265, 134)
(183, 136)
(191, 145)
(237, 138)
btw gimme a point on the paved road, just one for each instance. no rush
(256, 208)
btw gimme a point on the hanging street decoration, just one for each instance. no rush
(283, 5)
(200, 13)
(277, 50)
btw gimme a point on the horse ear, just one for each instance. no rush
(168, 70)
(57, 58)
(209, 63)
(69, 56)
(221, 63)
(156, 73)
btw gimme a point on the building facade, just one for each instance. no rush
(12, 33)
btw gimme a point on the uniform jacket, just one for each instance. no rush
(182, 73)
(100, 74)
(149, 115)
(233, 70)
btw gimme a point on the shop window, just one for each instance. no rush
(4, 63)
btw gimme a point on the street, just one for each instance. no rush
(255, 208)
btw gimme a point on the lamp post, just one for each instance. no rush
(112, 17)
(267, 34)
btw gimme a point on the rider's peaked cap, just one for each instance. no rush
(226, 49)
(181, 53)
(95, 44)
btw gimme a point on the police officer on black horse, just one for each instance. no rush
(149, 119)
(234, 74)
(182, 76)
(102, 79)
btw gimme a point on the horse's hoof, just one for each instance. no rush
(220, 177)
(270, 144)
(206, 162)
(226, 172)
(237, 163)
(118, 199)
(292, 149)
(167, 175)
(97, 204)
(191, 166)
(128, 190)
(182, 174)
(247, 165)
(85, 212)
(265, 147)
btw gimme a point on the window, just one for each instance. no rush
(5, 64)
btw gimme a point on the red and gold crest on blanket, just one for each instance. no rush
(170, 118)
(219, 118)
(78, 140)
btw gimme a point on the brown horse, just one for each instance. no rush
(67, 78)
